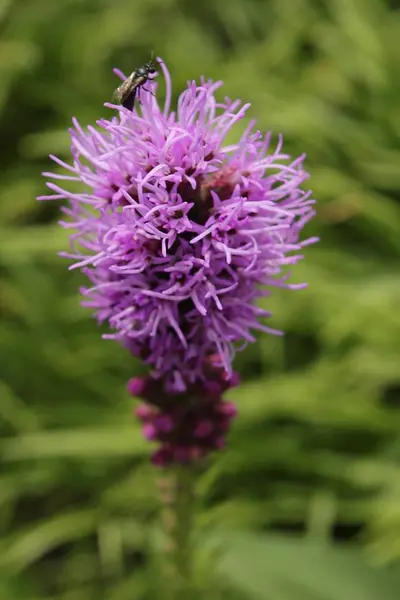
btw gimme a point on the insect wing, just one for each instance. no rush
(129, 100)
(123, 91)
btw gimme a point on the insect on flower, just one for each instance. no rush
(125, 94)
(179, 234)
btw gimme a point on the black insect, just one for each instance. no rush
(125, 94)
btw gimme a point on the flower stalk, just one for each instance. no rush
(178, 498)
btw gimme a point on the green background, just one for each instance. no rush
(305, 502)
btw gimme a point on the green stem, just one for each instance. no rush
(177, 491)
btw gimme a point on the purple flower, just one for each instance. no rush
(180, 233)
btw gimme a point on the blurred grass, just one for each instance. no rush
(316, 449)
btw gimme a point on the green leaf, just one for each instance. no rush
(285, 568)
(75, 443)
(41, 538)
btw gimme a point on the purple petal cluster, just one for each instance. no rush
(179, 232)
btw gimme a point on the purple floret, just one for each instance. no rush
(180, 234)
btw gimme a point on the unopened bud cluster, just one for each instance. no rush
(187, 426)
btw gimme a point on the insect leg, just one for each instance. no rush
(148, 91)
